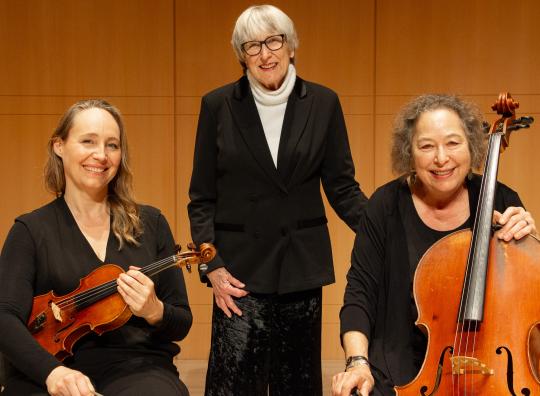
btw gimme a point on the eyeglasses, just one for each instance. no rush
(273, 43)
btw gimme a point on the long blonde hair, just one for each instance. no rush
(126, 224)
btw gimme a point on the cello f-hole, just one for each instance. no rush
(510, 372)
(438, 377)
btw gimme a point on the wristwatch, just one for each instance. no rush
(356, 360)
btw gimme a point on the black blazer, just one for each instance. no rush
(269, 224)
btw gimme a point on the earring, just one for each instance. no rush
(470, 174)
(412, 177)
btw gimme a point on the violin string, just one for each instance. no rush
(99, 291)
(106, 287)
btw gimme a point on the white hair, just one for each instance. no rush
(259, 20)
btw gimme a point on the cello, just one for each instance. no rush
(478, 298)
(57, 322)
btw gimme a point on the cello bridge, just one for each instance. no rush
(469, 365)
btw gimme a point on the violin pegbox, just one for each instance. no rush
(196, 256)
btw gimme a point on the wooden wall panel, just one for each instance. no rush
(460, 46)
(24, 139)
(55, 53)
(152, 150)
(86, 48)
(154, 59)
(473, 49)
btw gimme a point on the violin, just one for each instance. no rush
(478, 297)
(57, 322)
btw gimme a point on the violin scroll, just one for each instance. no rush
(196, 256)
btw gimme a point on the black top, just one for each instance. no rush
(268, 223)
(45, 250)
(378, 293)
(420, 237)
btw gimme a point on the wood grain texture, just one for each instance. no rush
(155, 59)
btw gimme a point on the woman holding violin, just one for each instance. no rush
(437, 141)
(94, 220)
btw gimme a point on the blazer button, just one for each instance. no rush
(253, 198)
(257, 234)
(284, 231)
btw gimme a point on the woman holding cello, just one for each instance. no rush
(94, 220)
(437, 141)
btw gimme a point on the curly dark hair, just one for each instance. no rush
(405, 125)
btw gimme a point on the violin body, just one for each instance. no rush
(57, 322)
(58, 336)
(505, 362)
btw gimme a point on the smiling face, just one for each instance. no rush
(441, 153)
(269, 68)
(91, 153)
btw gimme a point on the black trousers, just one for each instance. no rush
(130, 378)
(273, 348)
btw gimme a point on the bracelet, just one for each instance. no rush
(353, 361)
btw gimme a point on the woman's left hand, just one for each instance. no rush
(138, 292)
(516, 223)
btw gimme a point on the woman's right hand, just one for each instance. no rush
(358, 377)
(226, 287)
(63, 381)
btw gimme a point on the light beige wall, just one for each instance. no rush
(154, 59)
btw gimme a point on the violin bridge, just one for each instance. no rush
(57, 312)
(469, 365)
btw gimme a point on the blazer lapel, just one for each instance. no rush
(246, 116)
(294, 125)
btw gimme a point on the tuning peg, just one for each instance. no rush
(524, 120)
(515, 127)
(188, 267)
(203, 267)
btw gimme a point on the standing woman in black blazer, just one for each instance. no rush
(264, 145)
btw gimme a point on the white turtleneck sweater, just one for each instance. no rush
(271, 106)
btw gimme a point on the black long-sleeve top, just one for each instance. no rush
(45, 250)
(268, 223)
(378, 292)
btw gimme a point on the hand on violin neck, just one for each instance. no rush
(225, 287)
(139, 293)
(515, 223)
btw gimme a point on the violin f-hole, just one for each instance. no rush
(57, 334)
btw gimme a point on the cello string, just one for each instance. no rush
(472, 333)
(473, 351)
(465, 326)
